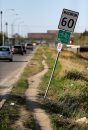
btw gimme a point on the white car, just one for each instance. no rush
(6, 53)
(29, 46)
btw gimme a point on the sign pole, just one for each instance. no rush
(67, 23)
(52, 75)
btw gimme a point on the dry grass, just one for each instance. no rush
(71, 62)
(80, 40)
(68, 93)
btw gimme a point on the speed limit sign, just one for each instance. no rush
(68, 20)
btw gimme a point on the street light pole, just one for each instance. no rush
(13, 31)
(19, 26)
(1, 20)
(1, 28)
(6, 29)
(12, 25)
(7, 10)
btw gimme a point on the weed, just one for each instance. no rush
(9, 114)
(29, 123)
(68, 92)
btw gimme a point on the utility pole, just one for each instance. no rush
(1, 28)
(13, 30)
(2, 41)
(6, 29)
(6, 32)
(1, 20)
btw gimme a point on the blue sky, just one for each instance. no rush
(41, 15)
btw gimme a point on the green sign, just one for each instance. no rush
(63, 37)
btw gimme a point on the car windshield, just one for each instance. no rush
(30, 44)
(17, 46)
(4, 49)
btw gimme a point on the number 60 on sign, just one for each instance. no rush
(68, 20)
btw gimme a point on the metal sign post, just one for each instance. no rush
(67, 24)
(52, 75)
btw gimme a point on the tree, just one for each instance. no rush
(1, 38)
(85, 33)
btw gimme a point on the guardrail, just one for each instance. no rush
(77, 48)
(83, 48)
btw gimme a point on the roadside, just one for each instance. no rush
(15, 115)
(40, 116)
(7, 84)
(67, 99)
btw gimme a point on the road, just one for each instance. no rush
(6, 68)
(9, 71)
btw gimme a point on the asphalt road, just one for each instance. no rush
(10, 70)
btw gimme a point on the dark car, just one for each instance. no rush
(18, 49)
(24, 48)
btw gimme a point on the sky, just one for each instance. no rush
(40, 15)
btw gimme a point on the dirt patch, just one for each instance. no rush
(23, 116)
(40, 116)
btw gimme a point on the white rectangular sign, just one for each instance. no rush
(68, 20)
(59, 47)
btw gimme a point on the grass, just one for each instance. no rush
(31, 69)
(68, 93)
(9, 114)
(29, 123)
(81, 40)
(67, 96)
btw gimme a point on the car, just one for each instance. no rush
(29, 46)
(18, 49)
(12, 49)
(6, 53)
(24, 48)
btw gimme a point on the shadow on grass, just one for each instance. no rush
(74, 75)
(67, 105)
(9, 113)
(32, 106)
(65, 109)
(62, 123)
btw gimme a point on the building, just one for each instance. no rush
(48, 38)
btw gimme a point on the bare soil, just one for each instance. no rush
(40, 116)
